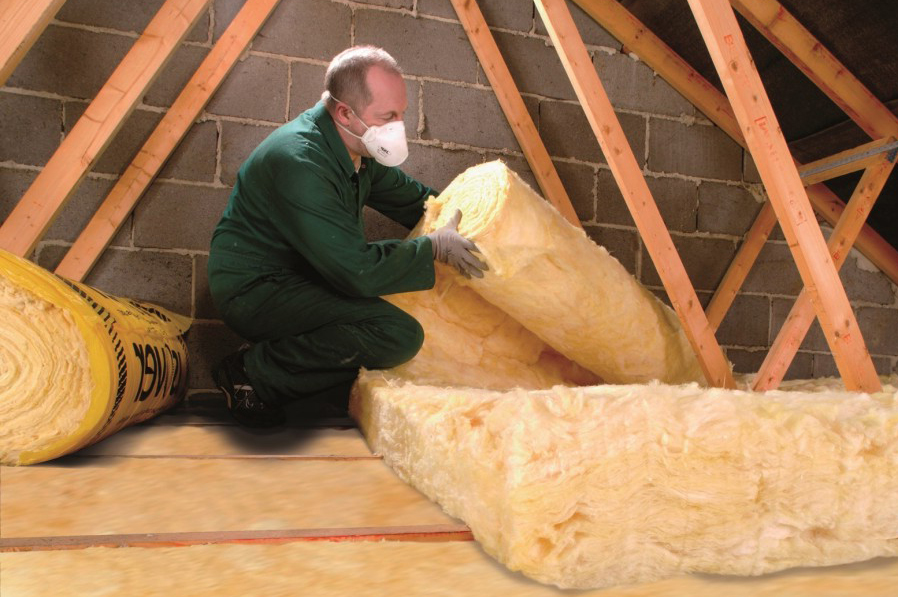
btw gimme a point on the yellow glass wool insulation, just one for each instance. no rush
(469, 342)
(568, 291)
(39, 341)
(77, 365)
(606, 485)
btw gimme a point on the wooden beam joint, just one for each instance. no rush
(752, 108)
(850, 160)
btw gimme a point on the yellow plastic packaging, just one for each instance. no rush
(77, 365)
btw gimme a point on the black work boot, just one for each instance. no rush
(245, 405)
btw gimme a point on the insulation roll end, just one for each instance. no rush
(77, 365)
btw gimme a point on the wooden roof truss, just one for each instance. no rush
(747, 117)
(105, 115)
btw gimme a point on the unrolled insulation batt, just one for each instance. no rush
(77, 365)
(571, 293)
(598, 486)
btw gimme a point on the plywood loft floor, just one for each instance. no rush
(303, 511)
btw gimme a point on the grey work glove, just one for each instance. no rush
(451, 247)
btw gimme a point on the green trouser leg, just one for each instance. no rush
(311, 340)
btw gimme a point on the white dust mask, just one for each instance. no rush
(386, 143)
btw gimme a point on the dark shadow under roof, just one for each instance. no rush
(863, 34)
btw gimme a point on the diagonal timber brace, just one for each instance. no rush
(177, 121)
(96, 128)
(753, 111)
(631, 32)
(21, 23)
(618, 21)
(784, 31)
(513, 106)
(628, 174)
(800, 318)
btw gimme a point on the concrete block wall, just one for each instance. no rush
(706, 187)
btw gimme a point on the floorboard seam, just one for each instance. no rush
(322, 457)
(416, 533)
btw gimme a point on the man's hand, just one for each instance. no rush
(451, 247)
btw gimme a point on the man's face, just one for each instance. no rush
(388, 103)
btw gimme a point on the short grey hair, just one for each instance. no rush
(345, 78)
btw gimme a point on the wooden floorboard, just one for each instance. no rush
(326, 569)
(292, 511)
(115, 495)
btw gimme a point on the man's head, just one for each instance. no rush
(363, 87)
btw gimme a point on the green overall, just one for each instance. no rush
(290, 268)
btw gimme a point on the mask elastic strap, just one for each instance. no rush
(353, 113)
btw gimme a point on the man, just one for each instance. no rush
(289, 266)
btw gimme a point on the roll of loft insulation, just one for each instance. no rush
(616, 484)
(77, 365)
(570, 292)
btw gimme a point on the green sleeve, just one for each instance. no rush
(397, 195)
(322, 225)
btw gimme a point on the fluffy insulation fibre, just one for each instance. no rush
(77, 364)
(39, 341)
(588, 486)
(570, 292)
(598, 486)
(470, 342)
